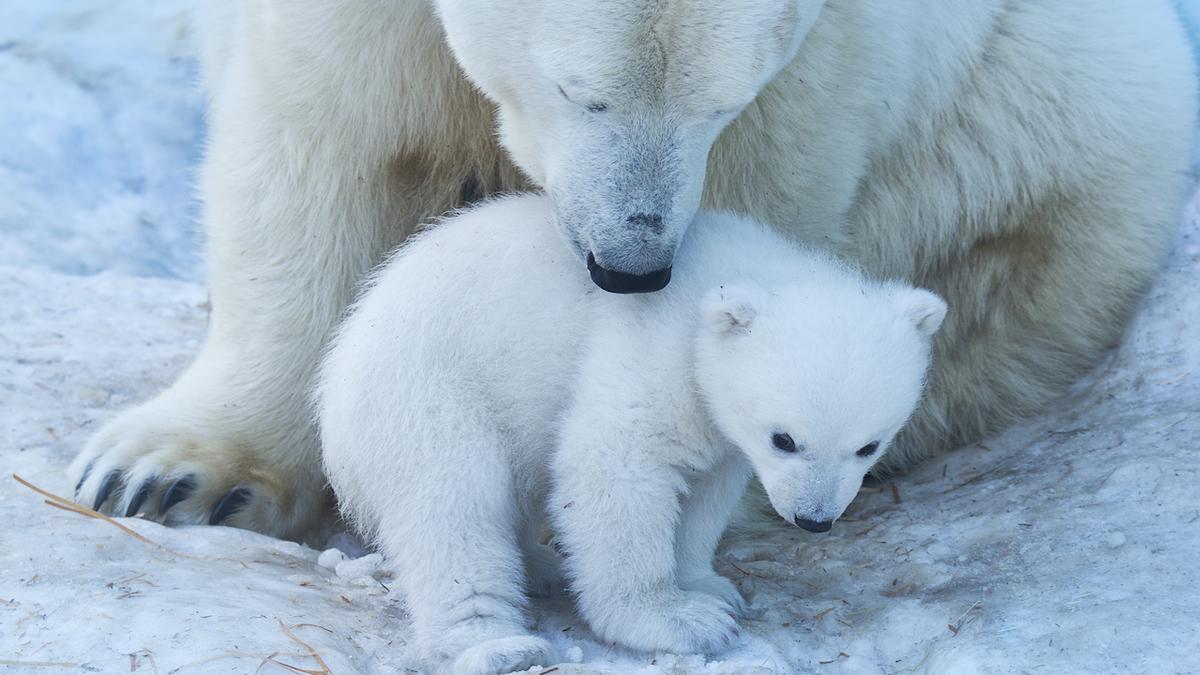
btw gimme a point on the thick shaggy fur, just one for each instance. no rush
(1024, 159)
(460, 412)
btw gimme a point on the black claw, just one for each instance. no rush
(229, 505)
(106, 488)
(177, 491)
(87, 471)
(140, 496)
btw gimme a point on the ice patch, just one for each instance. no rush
(330, 558)
(367, 567)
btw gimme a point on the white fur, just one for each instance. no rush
(458, 408)
(1024, 159)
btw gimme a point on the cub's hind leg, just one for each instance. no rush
(435, 487)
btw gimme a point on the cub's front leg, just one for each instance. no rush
(711, 499)
(616, 504)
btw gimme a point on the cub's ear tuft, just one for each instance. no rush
(732, 309)
(925, 310)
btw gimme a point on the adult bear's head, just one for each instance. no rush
(613, 105)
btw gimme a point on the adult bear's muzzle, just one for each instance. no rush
(624, 282)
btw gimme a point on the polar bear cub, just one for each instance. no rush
(483, 388)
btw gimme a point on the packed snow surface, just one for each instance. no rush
(100, 128)
(1068, 543)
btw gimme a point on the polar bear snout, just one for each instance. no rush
(813, 525)
(649, 221)
(624, 282)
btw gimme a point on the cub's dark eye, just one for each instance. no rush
(590, 107)
(783, 443)
(868, 449)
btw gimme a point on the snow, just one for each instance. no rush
(1068, 543)
(100, 125)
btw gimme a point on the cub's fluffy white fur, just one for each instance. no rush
(483, 385)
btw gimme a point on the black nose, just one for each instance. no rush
(651, 221)
(812, 525)
(623, 282)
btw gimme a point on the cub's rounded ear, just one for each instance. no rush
(732, 309)
(925, 310)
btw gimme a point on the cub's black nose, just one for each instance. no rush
(812, 525)
(623, 282)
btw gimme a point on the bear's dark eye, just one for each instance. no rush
(783, 442)
(868, 449)
(590, 107)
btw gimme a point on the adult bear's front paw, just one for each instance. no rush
(181, 460)
(681, 622)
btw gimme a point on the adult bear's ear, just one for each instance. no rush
(925, 310)
(732, 309)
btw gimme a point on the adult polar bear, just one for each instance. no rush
(1024, 159)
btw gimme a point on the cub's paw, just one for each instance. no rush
(681, 622)
(180, 467)
(504, 655)
(717, 585)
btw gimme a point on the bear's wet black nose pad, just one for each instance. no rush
(812, 525)
(623, 282)
(652, 221)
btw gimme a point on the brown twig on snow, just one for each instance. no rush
(958, 623)
(840, 655)
(749, 574)
(68, 505)
(1066, 473)
(290, 667)
(84, 511)
(135, 661)
(311, 652)
(866, 531)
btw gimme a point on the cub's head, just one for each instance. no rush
(812, 381)
(613, 106)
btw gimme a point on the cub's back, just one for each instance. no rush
(489, 300)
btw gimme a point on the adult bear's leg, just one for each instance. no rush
(335, 128)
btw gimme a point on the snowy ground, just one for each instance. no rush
(100, 129)
(1069, 543)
